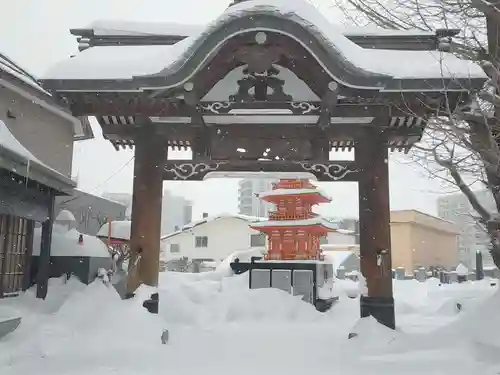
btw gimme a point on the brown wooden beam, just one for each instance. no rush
(90, 104)
(374, 219)
(150, 154)
(324, 170)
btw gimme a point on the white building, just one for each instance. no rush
(175, 212)
(457, 209)
(248, 202)
(340, 237)
(213, 238)
(216, 237)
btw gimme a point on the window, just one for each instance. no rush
(201, 241)
(257, 240)
(175, 248)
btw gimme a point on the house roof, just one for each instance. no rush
(120, 230)
(423, 219)
(15, 78)
(209, 219)
(16, 158)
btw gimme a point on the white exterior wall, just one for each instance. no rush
(457, 209)
(340, 238)
(225, 236)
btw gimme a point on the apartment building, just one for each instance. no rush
(472, 238)
(248, 203)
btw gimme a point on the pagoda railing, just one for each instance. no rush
(276, 215)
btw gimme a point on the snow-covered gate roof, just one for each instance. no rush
(137, 68)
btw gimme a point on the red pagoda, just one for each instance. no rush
(293, 230)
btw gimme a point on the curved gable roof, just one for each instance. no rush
(141, 67)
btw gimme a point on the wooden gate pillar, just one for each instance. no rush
(145, 233)
(371, 155)
(42, 278)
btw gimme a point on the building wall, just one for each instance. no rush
(433, 248)
(248, 203)
(419, 240)
(48, 136)
(401, 244)
(341, 238)
(90, 211)
(473, 238)
(176, 211)
(225, 236)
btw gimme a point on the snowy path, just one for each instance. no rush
(217, 326)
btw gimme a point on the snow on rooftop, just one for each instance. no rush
(222, 216)
(135, 28)
(65, 243)
(337, 258)
(295, 223)
(278, 192)
(462, 270)
(120, 27)
(65, 215)
(12, 68)
(120, 230)
(209, 219)
(128, 61)
(9, 142)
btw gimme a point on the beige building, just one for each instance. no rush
(418, 239)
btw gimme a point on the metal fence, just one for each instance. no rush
(16, 243)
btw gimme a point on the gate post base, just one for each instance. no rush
(381, 308)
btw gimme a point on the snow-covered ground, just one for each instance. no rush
(217, 326)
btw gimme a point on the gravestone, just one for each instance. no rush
(421, 274)
(400, 273)
(452, 277)
(479, 266)
(341, 273)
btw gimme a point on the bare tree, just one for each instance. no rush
(462, 146)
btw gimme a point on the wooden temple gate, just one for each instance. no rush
(260, 90)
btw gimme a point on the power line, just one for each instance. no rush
(104, 182)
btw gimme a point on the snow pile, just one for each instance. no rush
(90, 331)
(224, 267)
(208, 301)
(119, 230)
(66, 243)
(216, 324)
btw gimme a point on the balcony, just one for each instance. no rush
(275, 215)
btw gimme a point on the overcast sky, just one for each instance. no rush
(36, 35)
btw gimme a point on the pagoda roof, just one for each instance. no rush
(284, 192)
(143, 67)
(315, 221)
